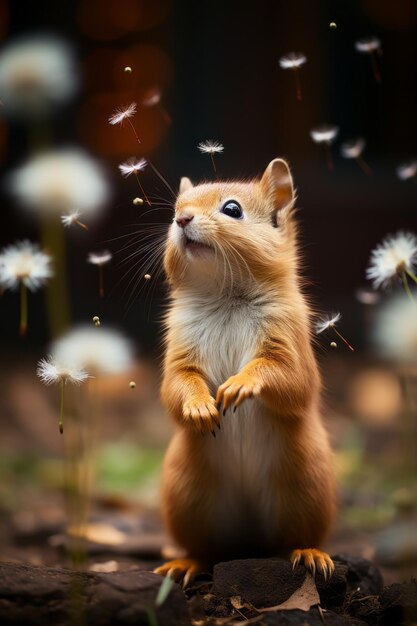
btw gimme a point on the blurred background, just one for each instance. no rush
(201, 71)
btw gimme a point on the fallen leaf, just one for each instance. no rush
(99, 533)
(303, 598)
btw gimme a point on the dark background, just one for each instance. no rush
(217, 65)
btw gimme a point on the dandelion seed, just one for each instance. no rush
(100, 259)
(353, 149)
(147, 277)
(211, 148)
(133, 166)
(153, 98)
(330, 322)
(96, 320)
(132, 384)
(120, 115)
(371, 46)
(395, 256)
(407, 171)
(51, 371)
(98, 351)
(127, 69)
(137, 201)
(293, 61)
(333, 345)
(325, 134)
(24, 264)
(333, 25)
(73, 218)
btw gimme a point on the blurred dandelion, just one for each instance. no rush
(211, 148)
(394, 331)
(73, 218)
(407, 171)
(55, 182)
(153, 98)
(133, 166)
(371, 46)
(51, 371)
(100, 259)
(395, 256)
(36, 74)
(330, 322)
(353, 149)
(325, 134)
(293, 61)
(24, 264)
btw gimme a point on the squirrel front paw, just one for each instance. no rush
(235, 390)
(202, 414)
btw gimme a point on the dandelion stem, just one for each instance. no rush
(61, 408)
(342, 338)
(407, 287)
(375, 67)
(81, 224)
(363, 165)
(23, 309)
(297, 85)
(142, 190)
(134, 130)
(158, 173)
(329, 159)
(213, 163)
(411, 274)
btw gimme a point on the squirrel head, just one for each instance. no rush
(234, 232)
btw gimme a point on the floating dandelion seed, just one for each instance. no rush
(293, 61)
(100, 259)
(137, 201)
(127, 69)
(333, 345)
(120, 115)
(353, 149)
(51, 371)
(407, 171)
(24, 264)
(96, 320)
(73, 218)
(211, 148)
(132, 384)
(333, 25)
(325, 134)
(330, 322)
(147, 277)
(153, 98)
(133, 166)
(371, 46)
(395, 256)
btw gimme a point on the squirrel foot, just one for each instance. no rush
(314, 560)
(183, 571)
(235, 390)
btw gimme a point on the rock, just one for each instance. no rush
(399, 604)
(37, 596)
(309, 618)
(363, 574)
(366, 608)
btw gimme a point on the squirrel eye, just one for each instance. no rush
(232, 209)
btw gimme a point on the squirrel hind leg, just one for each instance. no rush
(314, 560)
(182, 571)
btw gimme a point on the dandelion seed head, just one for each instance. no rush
(407, 170)
(394, 331)
(210, 147)
(292, 60)
(99, 258)
(324, 133)
(97, 350)
(132, 166)
(368, 44)
(24, 262)
(71, 218)
(56, 182)
(352, 149)
(51, 370)
(122, 114)
(327, 322)
(36, 74)
(394, 254)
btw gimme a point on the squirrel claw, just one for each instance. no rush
(314, 560)
(182, 571)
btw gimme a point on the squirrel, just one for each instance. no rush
(249, 472)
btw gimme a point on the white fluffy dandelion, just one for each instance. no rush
(122, 114)
(353, 149)
(211, 147)
(97, 350)
(394, 332)
(100, 259)
(330, 322)
(293, 61)
(134, 166)
(73, 218)
(26, 265)
(51, 371)
(36, 74)
(405, 171)
(371, 46)
(56, 182)
(325, 135)
(395, 256)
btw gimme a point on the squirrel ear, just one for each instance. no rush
(276, 183)
(185, 184)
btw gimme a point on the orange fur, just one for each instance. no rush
(239, 356)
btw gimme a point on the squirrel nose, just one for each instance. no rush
(183, 220)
